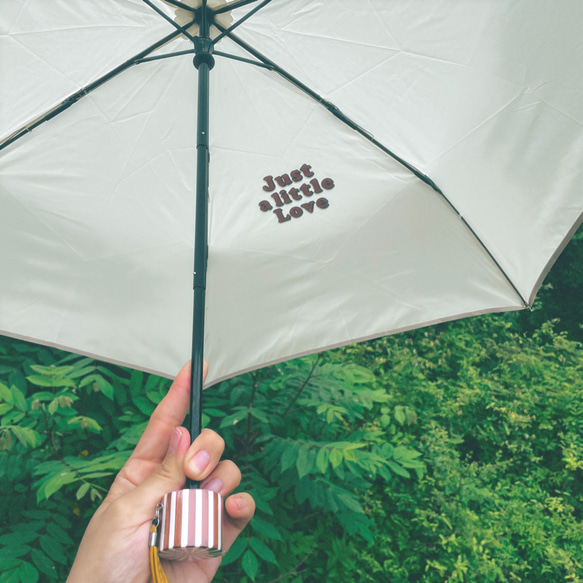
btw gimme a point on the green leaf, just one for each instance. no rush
(40, 381)
(94, 475)
(60, 519)
(34, 526)
(52, 381)
(85, 423)
(43, 563)
(58, 533)
(136, 383)
(305, 461)
(51, 370)
(402, 453)
(265, 528)
(17, 538)
(258, 414)
(92, 378)
(13, 417)
(349, 500)
(7, 562)
(250, 564)
(235, 551)
(303, 490)
(154, 396)
(28, 437)
(19, 399)
(214, 412)
(28, 574)
(53, 483)
(37, 514)
(152, 382)
(83, 489)
(144, 405)
(10, 576)
(398, 469)
(288, 458)
(17, 550)
(6, 395)
(263, 506)
(400, 415)
(81, 369)
(349, 455)
(231, 420)
(336, 457)
(322, 459)
(53, 549)
(262, 550)
(43, 396)
(104, 386)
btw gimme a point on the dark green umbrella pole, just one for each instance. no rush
(204, 62)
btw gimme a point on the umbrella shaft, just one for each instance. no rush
(200, 250)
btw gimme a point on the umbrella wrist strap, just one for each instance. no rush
(158, 575)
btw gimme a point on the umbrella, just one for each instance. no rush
(382, 166)
(375, 167)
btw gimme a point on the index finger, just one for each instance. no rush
(168, 415)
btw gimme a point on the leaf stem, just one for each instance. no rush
(304, 385)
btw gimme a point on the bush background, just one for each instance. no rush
(452, 453)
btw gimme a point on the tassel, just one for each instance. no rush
(158, 575)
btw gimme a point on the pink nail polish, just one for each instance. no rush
(215, 485)
(199, 462)
(174, 440)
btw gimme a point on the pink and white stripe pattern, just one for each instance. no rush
(191, 525)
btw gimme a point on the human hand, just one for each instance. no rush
(115, 545)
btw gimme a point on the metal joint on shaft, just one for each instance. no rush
(203, 48)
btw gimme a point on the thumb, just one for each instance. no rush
(167, 477)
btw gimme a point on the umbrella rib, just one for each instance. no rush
(334, 110)
(241, 21)
(178, 27)
(166, 56)
(233, 6)
(242, 60)
(181, 5)
(74, 97)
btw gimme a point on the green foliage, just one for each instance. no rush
(454, 454)
(67, 424)
(500, 416)
(559, 299)
(307, 436)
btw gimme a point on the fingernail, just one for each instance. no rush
(240, 503)
(215, 485)
(174, 440)
(199, 462)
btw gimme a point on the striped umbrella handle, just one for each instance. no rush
(190, 525)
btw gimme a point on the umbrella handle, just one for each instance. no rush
(188, 526)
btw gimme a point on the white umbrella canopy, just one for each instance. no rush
(318, 237)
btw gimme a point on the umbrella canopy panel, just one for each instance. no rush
(317, 237)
